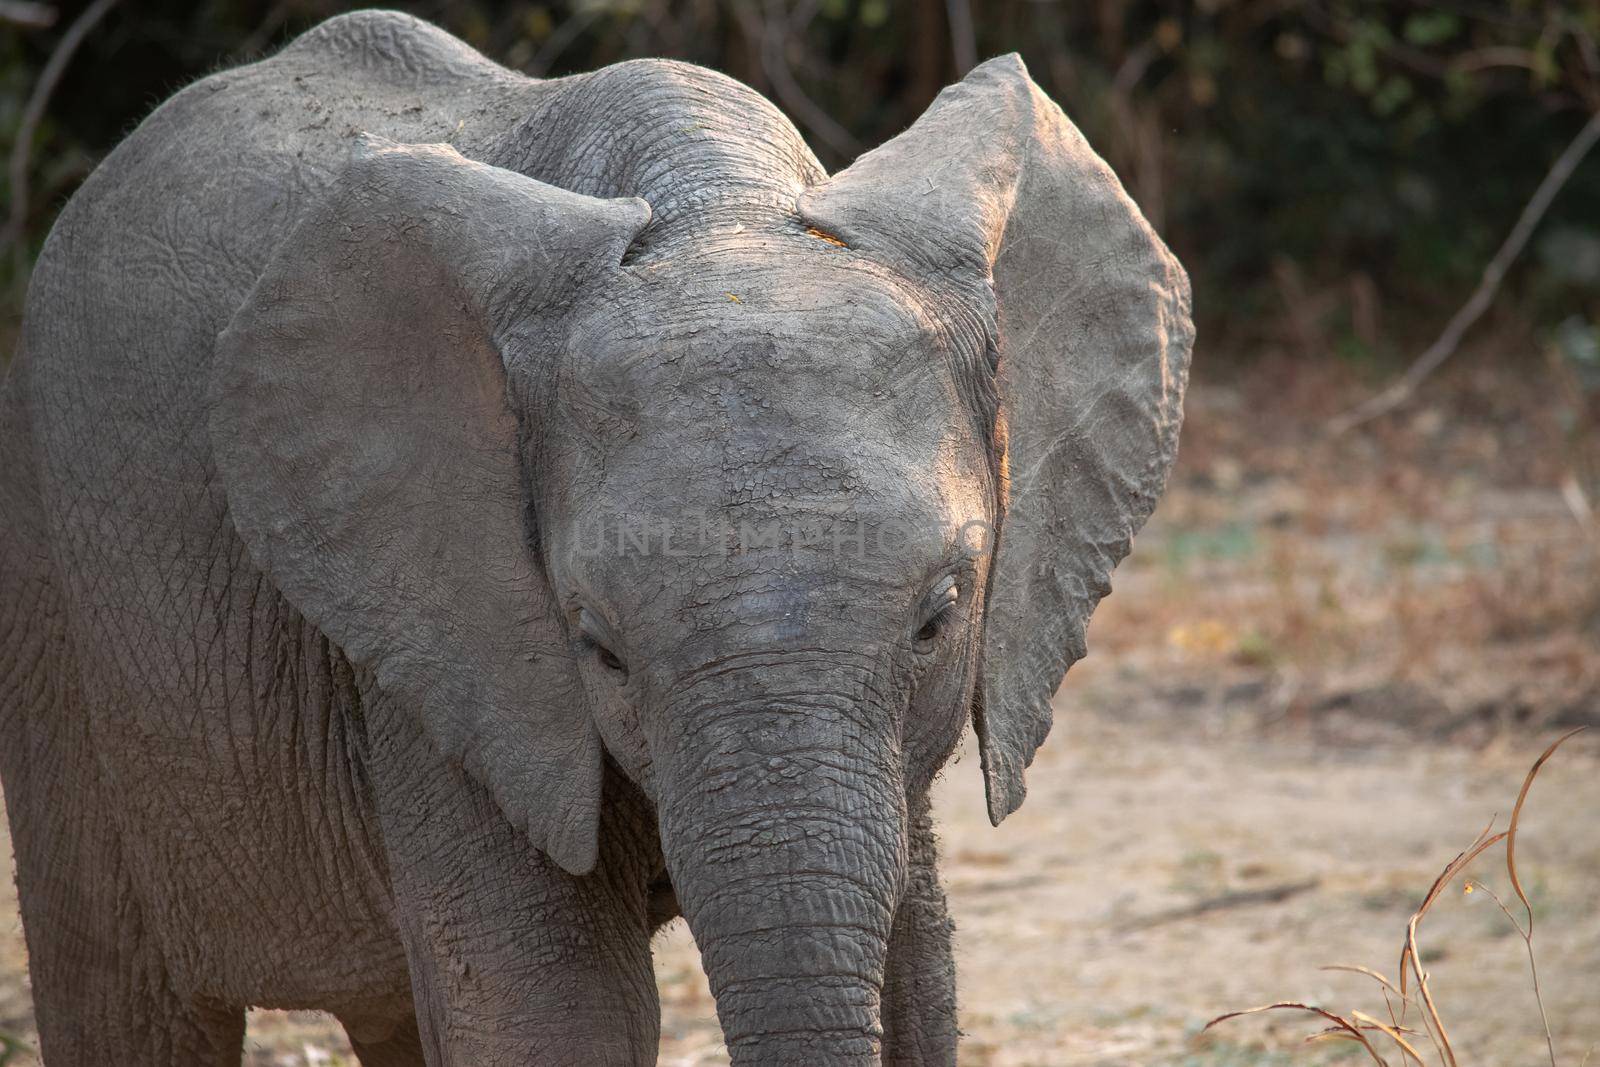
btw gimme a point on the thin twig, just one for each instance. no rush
(1411, 954)
(1586, 47)
(561, 39)
(1533, 967)
(1516, 883)
(1350, 1029)
(1577, 502)
(252, 46)
(1145, 157)
(1393, 1033)
(963, 40)
(1499, 56)
(769, 34)
(775, 62)
(22, 147)
(1483, 296)
(1387, 987)
(1343, 1024)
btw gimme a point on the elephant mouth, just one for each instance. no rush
(661, 902)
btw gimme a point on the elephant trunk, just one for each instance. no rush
(784, 833)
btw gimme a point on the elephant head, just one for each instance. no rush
(761, 511)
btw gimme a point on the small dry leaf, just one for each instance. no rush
(823, 235)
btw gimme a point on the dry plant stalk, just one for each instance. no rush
(1493, 274)
(1358, 1024)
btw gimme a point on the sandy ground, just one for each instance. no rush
(1159, 876)
(1324, 669)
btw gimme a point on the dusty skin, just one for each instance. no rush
(1249, 782)
(313, 696)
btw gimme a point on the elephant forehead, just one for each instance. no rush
(784, 476)
(797, 392)
(768, 444)
(810, 409)
(676, 334)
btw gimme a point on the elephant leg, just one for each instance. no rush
(96, 1004)
(399, 1047)
(101, 989)
(513, 961)
(91, 1023)
(919, 989)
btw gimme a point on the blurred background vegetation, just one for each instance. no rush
(1323, 641)
(1335, 173)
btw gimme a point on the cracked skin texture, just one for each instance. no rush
(313, 693)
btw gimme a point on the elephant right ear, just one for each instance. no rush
(372, 459)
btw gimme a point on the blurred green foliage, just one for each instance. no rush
(1334, 172)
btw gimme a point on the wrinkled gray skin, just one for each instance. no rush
(315, 693)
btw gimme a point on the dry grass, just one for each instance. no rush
(1436, 571)
(1412, 992)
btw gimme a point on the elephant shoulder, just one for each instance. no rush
(156, 250)
(220, 171)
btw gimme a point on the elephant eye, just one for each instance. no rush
(608, 659)
(938, 612)
(588, 627)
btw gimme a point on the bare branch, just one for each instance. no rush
(769, 33)
(963, 40)
(22, 147)
(261, 36)
(561, 39)
(1483, 296)
(1500, 56)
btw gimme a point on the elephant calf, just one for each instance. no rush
(455, 523)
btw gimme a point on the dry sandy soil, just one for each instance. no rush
(1325, 667)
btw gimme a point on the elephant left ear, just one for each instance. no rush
(372, 457)
(995, 192)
